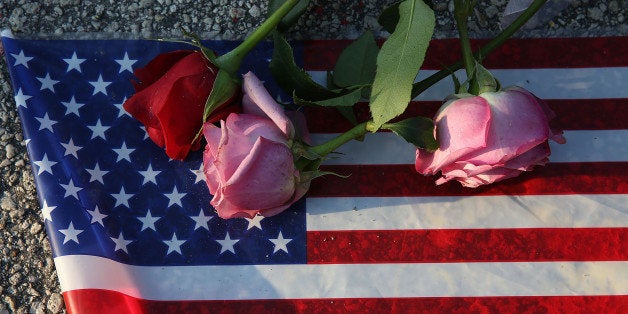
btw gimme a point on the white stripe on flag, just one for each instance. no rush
(344, 280)
(463, 212)
(602, 146)
(572, 83)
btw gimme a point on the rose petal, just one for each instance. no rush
(537, 156)
(461, 128)
(252, 127)
(182, 121)
(213, 135)
(212, 177)
(261, 99)
(455, 174)
(155, 135)
(518, 124)
(171, 106)
(300, 191)
(232, 149)
(300, 126)
(157, 67)
(228, 210)
(490, 177)
(265, 178)
(556, 134)
(250, 107)
(462, 171)
(241, 132)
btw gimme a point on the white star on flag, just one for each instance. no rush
(70, 234)
(120, 106)
(174, 244)
(255, 222)
(122, 198)
(20, 98)
(72, 107)
(227, 244)
(144, 130)
(71, 149)
(123, 152)
(97, 216)
(96, 174)
(46, 123)
(121, 243)
(98, 130)
(149, 175)
(175, 197)
(45, 165)
(148, 221)
(21, 59)
(126, 64)
(201, 220)
(280, 243)
(47, 83)
(100, 86)
(200, 175)
(74, 63)
(47, 211)
(71, 189)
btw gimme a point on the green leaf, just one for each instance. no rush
(457, 85)
(224, 88)
(485, 81)
(389, 17)
(418, 131)
(399, 60)
(290, 77)
(196, 41)
(302, 150)
(292, 17)
(330, 81)
(342, 100)
(357, 63)
(347, 113)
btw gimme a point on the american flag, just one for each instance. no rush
(132, 231)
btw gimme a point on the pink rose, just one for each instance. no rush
(489, 138)
(248, 162)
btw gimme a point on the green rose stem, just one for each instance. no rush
(331, 145)
(462, 10)
(421, 86)
(230, 61)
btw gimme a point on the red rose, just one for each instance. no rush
(170, 98)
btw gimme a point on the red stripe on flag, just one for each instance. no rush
(467, 245)
(403, 180)
(104, 301)
(590, 114)
(321, 55)
(572, 114)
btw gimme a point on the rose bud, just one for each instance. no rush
(489, 138)
(170, 98)
(248, 160)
